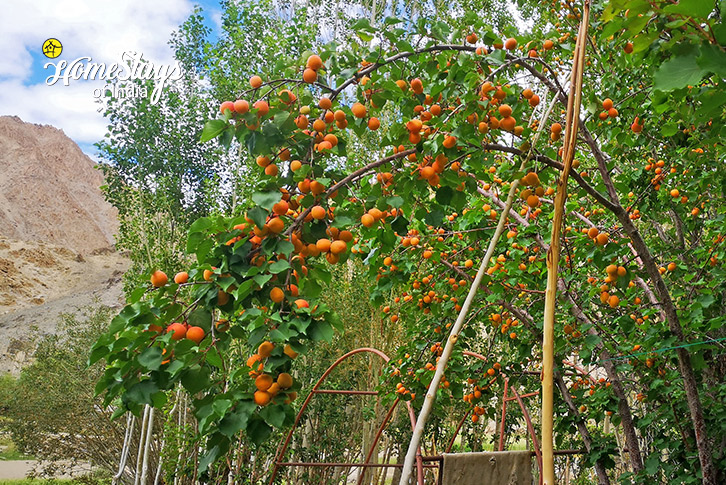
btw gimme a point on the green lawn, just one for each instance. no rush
(10, 452)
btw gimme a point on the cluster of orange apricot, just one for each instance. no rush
(600, 238)
(267, 386)
(609, 110)
(178, 330)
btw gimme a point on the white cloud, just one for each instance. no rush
(103, 30)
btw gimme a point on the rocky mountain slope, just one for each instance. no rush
(56, 236)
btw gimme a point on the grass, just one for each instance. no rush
(10, 452)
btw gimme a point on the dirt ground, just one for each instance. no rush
(40, 281)
(19, 469)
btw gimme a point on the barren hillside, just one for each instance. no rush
(56, 236)
(49, 189)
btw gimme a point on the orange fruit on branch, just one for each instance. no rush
(159, 279)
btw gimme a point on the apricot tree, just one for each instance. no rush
(457, 115)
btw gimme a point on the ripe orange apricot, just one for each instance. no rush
(159, 279)
(289, 351)
(338, 247)
(592, 232)
(226, 106)
(508, 123)
(255, 81)
(367, 220)
(181, 277)
(325, 103)
(314, 62)
(195, 334)
(208, 274)
(319, 125)
(505, 110)
(281, 208)
(323, 245)
(262, 398)
(417, 86)
(271, 170)
(277, 295)
(178, 331)
(556, 128)
(241, 106)
(359, 110)
(263, 382)
(284, 380)
(510, 44)
(262, 107)
(607, 104)
(301, 303)
(310, 76)
(602, 239)
(265, 349)
(374, 124)
(318, 212)
(449, 141)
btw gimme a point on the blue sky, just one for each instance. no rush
(101, 29)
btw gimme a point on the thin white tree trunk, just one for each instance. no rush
(130, 422)
(139, 454)
(147, 446)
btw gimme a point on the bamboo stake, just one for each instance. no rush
(456, 328)
(553, 255)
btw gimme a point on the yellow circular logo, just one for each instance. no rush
(52, 48)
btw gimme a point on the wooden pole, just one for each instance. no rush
(553, 255)
(428, 404)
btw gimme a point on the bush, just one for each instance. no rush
(51, 411)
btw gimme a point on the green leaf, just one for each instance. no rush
(237, 420)
(669, 129)
(266, 199)
(140, 393)
(712, 59)
(195, 379)
(321, 330)
(274, 415)
(151, 358)
(677, 73)
(200, 317)
(258, 215)
(444, 195)
(257, 430)
(691, 8)
(217, 446)
(279, 266)
(212, 129)
(395, 201)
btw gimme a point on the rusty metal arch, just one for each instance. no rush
(419, 459)
(316, 390)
